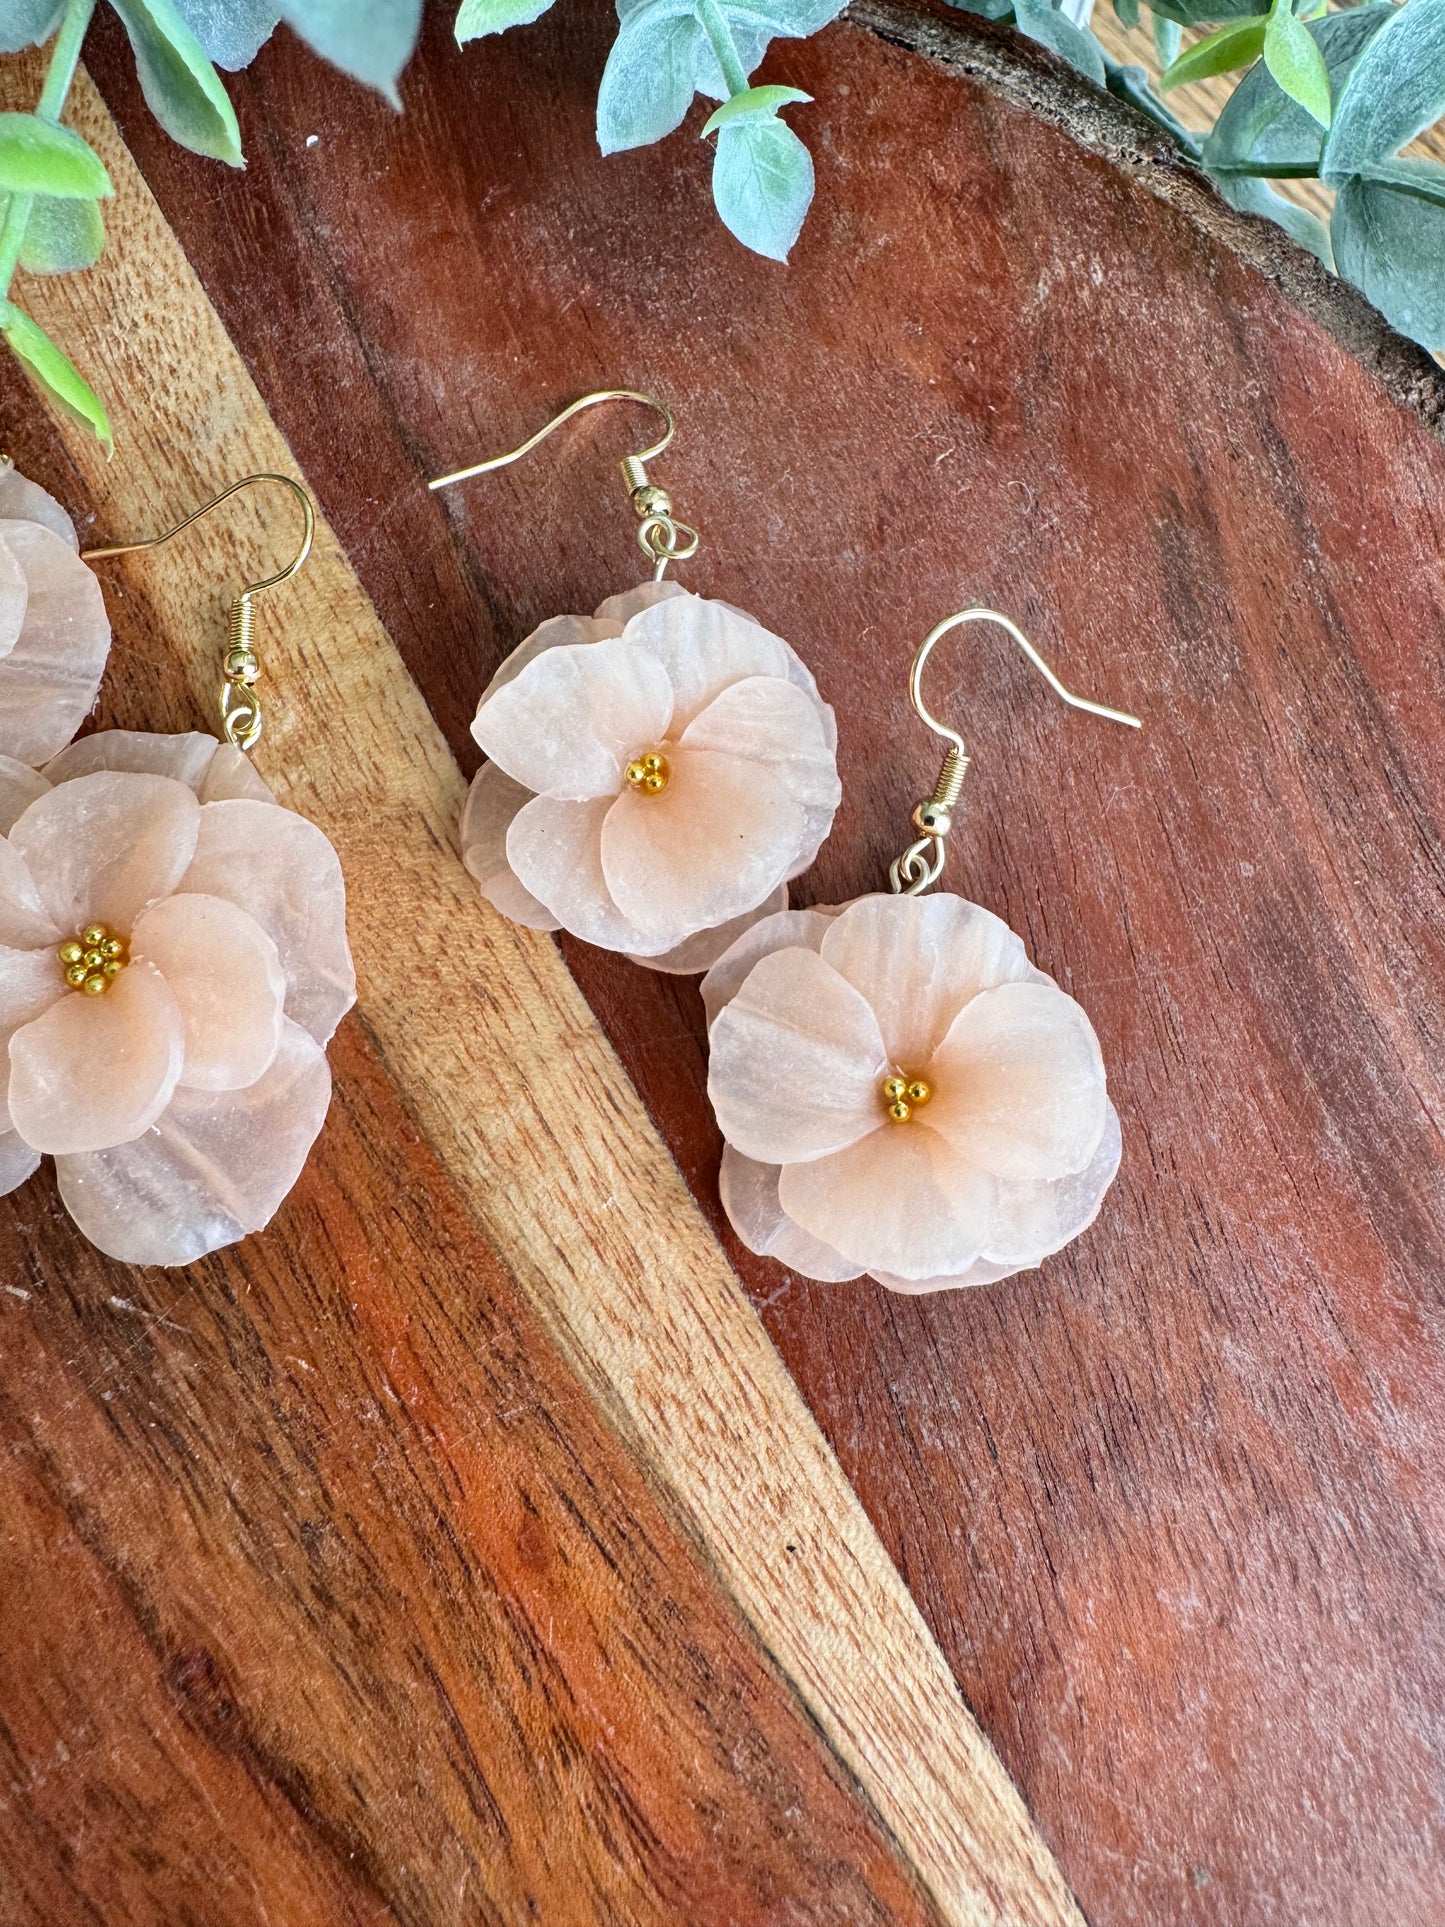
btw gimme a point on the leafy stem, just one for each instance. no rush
(714, 24)
(64, 59)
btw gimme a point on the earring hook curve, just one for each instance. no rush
(239, 709)
(663, 539)
(921, 864)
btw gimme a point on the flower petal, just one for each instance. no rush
(232, 775)
(19, 787)
(184, 757)
(980, 1272)
(700, 951)
(492, 802)
(556, 633)
(18, 1161)
(750, 1198)
(555, 848)
(30, 982)
(784, 930)
(97, 1071)
(225, 973)
(103, 847)
(217, 1165)
(900, 1201)
(22, 500)
(766, 720)
(713, 845)
(49, 680)
(619, 610)
(574, 717)
(1019, 1083)
(918, 961)
(1038, 1216)
(14, 599)
(796, 1062)
(283, 871)
(25, 924)
(704, 647)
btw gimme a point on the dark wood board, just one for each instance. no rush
(1172, 1505)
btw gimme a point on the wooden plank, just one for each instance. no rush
(1172, 1505)
(506, 1079)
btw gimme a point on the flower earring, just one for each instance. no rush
(657, 772)
(173, 961)
(900, 1091)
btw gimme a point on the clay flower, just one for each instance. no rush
(54, 632)
(173, 960)
(658, 772)
(902, 1093)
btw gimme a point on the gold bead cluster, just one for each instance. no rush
(902, 1096)
(93, 960)
(648, 775)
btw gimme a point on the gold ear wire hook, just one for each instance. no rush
(662, 539)
(240, 711)
(921, 864)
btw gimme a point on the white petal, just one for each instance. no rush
(185, 757)
(25, 923)
(796, 1062)
(96, 1071)
(784, 930)
(618, 610)
(700, 952)
(900, 1201)
(17, 1162)
(105, 846)
(216, 1166)
(49, 680)
(14, 599)
(231, 775)
(30, 982)
(714, 844)
(750, 1197)
(22, 500)
(918, 961)
(492, 801)
(1034, 1217)
(766, 720)
(575, 717)
(1018, 1083)
(225, 973)
(980, 1272)
(19, 787)
(704, 647)
(283, 871)
(555, 849)
(556, 633)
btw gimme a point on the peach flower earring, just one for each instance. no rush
(657, 772)
(173, 961)
(900, 1091)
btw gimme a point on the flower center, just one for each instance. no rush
(93, 960)
(649, 774)
(902, 1096)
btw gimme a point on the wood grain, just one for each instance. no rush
(1172, 1505)
(581, 1774)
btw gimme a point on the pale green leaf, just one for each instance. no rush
(54, 372)
(62, 236)
(1296, 62)
(1167, 36)
(1043, 23)
(371, 42)
(478, 17)
(1255, 196)
(232, 32)
(1390, 241)
(37, 157)
(1396, 91)
(1238, 43)
(762, 182)
(756, 100)
(1262, 131)
(26, 23)
(182, 88)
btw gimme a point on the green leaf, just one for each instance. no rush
(371, 42)
(1127, 13)
(478, 17)
(1390, 241)
(61, 236)
(1296, 62)
(55, 373)
(27, 23)
(762, 182)
(1040, 22)
(1422, 178)
(37, 157)
(1396, 91)
(182, 88)
(1239, 43)
(986, 9)
(1167, 36)
(1197, 13)
(1262, 131)
(232, 32)
(1258, 197)
(757, 100)
(647, 84)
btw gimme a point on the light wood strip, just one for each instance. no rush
(507, 1071)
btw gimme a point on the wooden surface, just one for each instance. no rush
(1171, 1505)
